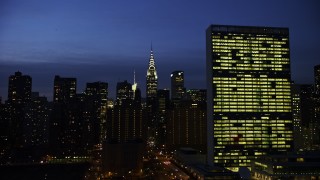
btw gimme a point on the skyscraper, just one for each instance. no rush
(97, 98)
(177, 85)
(19, 95)
(303, 115)
(249, 99)
(65, 121)
(317, 106)
(124, 92)
(163, 104)
(64, 89)
(186, 126)
(151, 99)
(317, 79)
(125, 119)
(124, 146)
(163, 97)
(36, 121)
(152, 78)
(19, 90)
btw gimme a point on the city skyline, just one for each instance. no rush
(102, 41)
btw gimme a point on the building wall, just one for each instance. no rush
(249, 93)
(186, 127)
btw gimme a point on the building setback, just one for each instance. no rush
(249, 98)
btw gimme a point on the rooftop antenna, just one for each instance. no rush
(134, 76)
(134, 85)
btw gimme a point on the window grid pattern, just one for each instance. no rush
(251, 95)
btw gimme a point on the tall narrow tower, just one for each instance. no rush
(152, 78)
(134, 85)
(151, 100)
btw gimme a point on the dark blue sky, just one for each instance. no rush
(105, 40)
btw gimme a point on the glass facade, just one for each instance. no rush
(250, 113)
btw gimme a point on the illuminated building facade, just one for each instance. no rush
(151, 96)
(300, 165)
(177, 85)
(152, 78)
(249, 94)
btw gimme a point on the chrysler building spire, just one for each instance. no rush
(152, 78)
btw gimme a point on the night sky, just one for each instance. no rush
(105, 40)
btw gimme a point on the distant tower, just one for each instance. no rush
(317, 79)
(135, 84)
(64, 89)
(152, 78)
(124, 92)
(177, 85)
(19, 95)
(152, 86)
(317, 106)
(19, 90)
(97, 96)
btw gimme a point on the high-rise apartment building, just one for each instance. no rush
(19, 94)
(163, 104)
(97, 99)
(303, 115)
(19, 90)
(66, 120)
(249, 98)
(64, 89)
(36, 122)
(177, 85)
